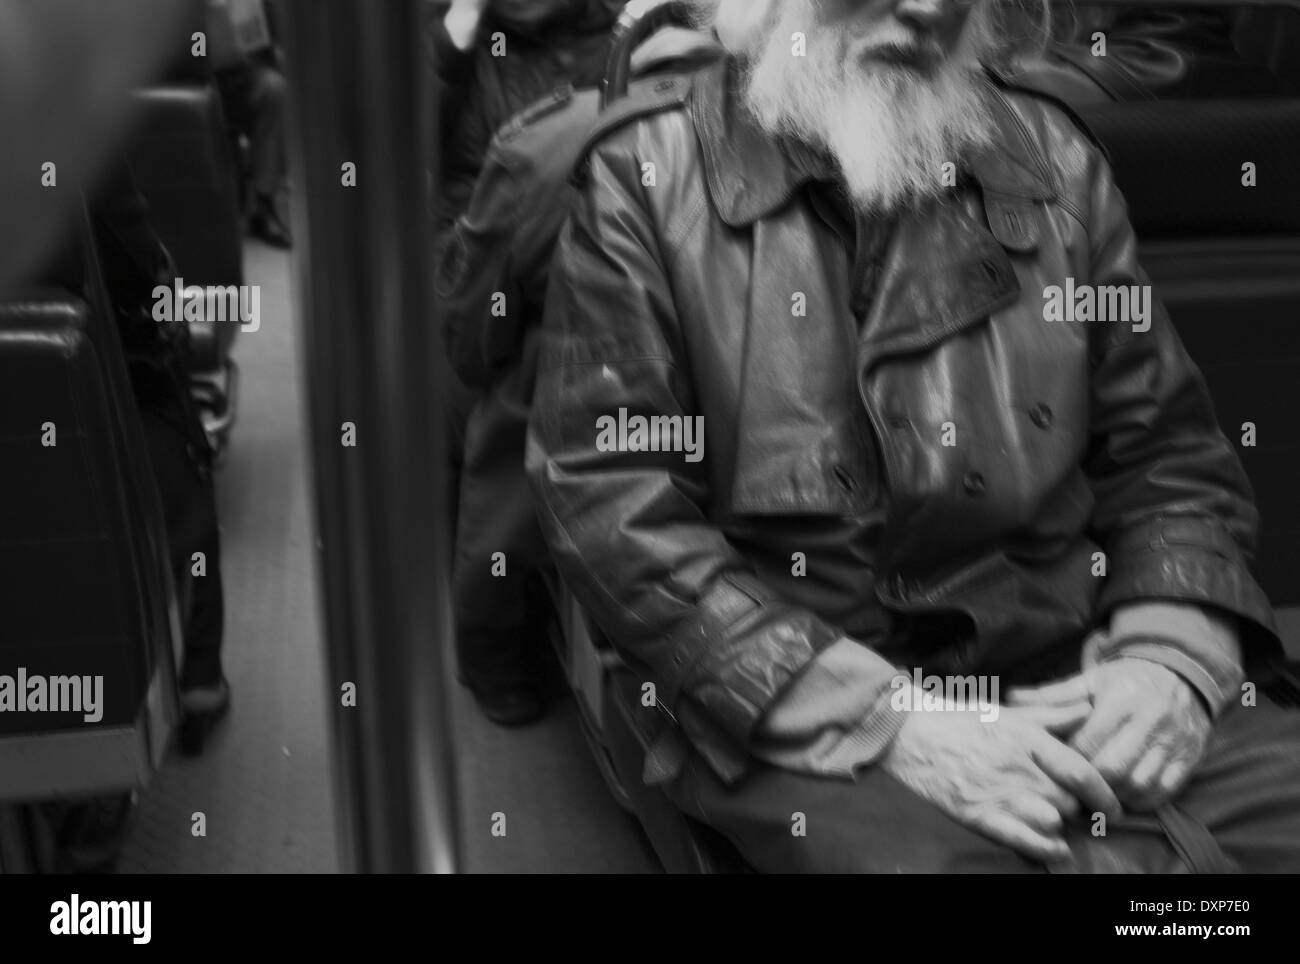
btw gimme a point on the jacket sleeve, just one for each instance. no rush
(629, 530)
(475, 265)
(1175, 512)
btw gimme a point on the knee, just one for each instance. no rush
(269, 92)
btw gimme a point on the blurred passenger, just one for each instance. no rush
(947, 578)
(253, 94)
(503, 243)
(494, 58)
(134, 261)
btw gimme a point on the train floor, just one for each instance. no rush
(264, 784)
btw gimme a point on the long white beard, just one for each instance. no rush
(889, 129)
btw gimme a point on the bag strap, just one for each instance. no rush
(1194, 843)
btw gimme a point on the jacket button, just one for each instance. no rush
(973, 483)
(1041, 415)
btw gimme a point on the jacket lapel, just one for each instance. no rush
(798, 403)
(943, 273)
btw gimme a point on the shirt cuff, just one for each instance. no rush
(835, 717)
(1199, 644)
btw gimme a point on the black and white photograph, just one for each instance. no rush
(641, 437)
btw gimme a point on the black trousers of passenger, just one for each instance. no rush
(254, 97)
(1239, 813)
(501, 617)
(182, 467)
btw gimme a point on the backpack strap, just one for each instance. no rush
(670, 93)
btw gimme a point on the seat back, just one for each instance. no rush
(83, 559)
(182, 159)
(620, 731)
(1270, 36)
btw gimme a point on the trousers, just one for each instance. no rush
(182, 467)
(254, 98)
(499, 590)
(1239, 813)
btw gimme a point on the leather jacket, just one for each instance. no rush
(1036, 474)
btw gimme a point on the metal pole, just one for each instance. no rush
(361, 95)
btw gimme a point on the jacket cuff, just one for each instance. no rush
(738, 652)
(1189, 559)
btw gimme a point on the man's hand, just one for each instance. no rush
(1009, 778)
(462, 21)
(1146, 731)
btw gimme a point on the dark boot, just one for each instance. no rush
(264, 223)
(202, 708)
(501, 670)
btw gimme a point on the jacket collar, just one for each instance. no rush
(750, 175)
(944, 272)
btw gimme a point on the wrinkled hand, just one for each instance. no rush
(1146, 731)
(1008, 778)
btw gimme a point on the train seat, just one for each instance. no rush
(619, 731)
(83, 572)
(1270, 36)
(683, 844)
(182, 159)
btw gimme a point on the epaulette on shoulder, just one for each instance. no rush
(670, 93)
(1040, 86)
(555, 101)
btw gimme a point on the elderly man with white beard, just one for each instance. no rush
(833, 248)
